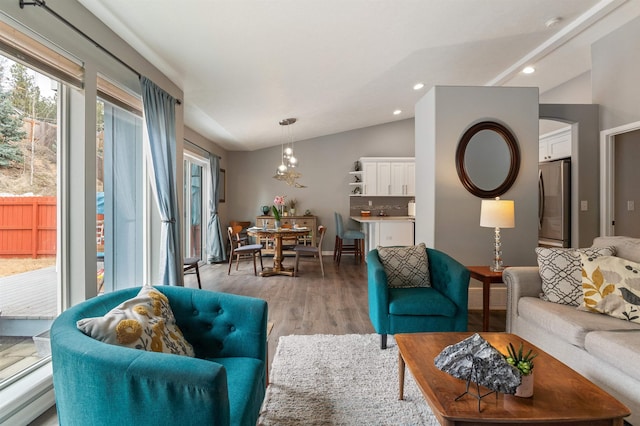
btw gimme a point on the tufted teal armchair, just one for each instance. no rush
(441, 307)
(101, 384)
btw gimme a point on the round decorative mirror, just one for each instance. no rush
(487, 159)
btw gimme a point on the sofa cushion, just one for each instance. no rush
(620, 349)
(560, 272)
(142, 322)
(567, 322)
(626, 247)
(611, 286)
(420, 301)
(406, 266)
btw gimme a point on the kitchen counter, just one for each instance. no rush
(386, 230)
(363, 219)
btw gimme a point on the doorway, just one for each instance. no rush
(619, 192)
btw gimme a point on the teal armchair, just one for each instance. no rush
(441, 307)
(97, 383)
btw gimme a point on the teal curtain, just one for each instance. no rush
(160, 117)
(215, 243)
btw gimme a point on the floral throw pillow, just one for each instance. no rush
(144, 322)
(611, 285)
(560, 272)
(406, 266)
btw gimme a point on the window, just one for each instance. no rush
(29, 206)
(119, 197)
(196, 198)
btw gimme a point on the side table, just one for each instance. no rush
(487, 277)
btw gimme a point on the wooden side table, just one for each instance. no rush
(487, 277)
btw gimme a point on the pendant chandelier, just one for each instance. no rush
(288, 162)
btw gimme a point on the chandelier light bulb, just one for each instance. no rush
(293, 161)
(288, 152)
(282, 168)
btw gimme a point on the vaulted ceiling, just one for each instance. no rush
(338, 65)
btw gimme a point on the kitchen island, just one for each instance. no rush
(386, 230)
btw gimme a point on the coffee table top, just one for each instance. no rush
(560, 394)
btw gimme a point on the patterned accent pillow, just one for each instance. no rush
(611, 285)
(560, 272)
(143, 322)
(406, 266)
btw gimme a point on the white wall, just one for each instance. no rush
(447, 215)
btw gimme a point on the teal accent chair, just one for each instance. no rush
(96, 383)
(441, 307)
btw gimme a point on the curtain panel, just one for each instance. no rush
(215, 249)
(160, 117)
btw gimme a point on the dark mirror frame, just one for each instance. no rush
(514, 155)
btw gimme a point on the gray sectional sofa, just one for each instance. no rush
(604, 349)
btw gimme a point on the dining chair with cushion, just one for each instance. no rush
(240, 251)
(307, 251)
(357, 248)
(416, 289)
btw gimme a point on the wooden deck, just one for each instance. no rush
(29, 295)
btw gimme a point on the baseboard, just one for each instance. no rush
(497, 297)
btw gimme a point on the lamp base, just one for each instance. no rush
(494, 268)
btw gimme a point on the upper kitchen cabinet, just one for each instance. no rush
(392, 176)
(555, 145)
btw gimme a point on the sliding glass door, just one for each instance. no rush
(195, 200)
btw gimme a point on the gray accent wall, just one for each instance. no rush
(324, 163)
(447, 215)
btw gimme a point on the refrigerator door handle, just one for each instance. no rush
(540, 199)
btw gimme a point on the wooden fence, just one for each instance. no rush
(27, 227)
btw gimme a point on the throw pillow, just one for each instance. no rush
(560, 272)
(406, 266)
(143, 322)
(611, 285)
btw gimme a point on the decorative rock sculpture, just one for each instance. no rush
(475, 360)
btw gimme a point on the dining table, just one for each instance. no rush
(277, 234)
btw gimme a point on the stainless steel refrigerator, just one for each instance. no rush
(554, 203)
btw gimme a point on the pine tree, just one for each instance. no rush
(10, 133)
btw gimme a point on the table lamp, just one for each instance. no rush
(497, 214)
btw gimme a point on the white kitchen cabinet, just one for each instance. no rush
(369, 177)
(403, 177)
(388, 176)
(383, 178)
(555, 145)
(395, 233)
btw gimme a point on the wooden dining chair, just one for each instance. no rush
(308, 251)
(242, 251)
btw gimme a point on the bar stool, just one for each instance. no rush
(357, 248)
(192, 263)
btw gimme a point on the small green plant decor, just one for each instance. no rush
(523, 362)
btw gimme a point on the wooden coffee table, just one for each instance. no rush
(560, 394)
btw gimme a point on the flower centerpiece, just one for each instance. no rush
(277, 208)
(524, 363)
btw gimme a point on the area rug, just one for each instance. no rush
(340, 380)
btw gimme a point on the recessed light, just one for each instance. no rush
(418, 86)
(553, 22)
(528, 70)
(397, 112)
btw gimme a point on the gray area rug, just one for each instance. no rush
(340, 380)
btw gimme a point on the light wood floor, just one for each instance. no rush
(307, 304)
(310, 304)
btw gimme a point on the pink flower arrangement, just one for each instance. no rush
(279, 202)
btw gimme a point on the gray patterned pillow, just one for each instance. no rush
(561, 272)
(406, 266)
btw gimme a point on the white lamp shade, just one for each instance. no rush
(497, 214)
